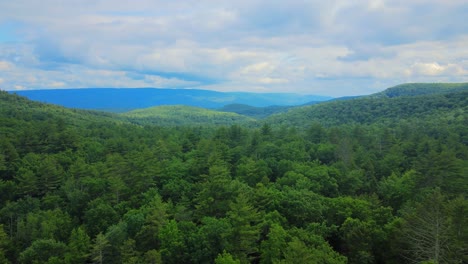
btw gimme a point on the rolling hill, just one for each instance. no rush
(415, 89)
(400, 102)
(407, 103)
(252, 111)
(183, 115)
(17, 107)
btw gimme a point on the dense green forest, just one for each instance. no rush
(367, 180)
(413, 89)
(373, 109)
(254, 112)
(183, 115)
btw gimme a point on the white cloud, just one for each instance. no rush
(5, 66)
(158, 81)
(57, 85)
(304, 46)
(428, 68)
(258, 68)
(268, 80)
(435, 69)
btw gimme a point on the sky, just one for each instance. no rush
(333, 47)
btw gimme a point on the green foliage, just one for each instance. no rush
(171, 243)
(272, 248)
(4, 246)
(369, 110)
(43, 251)
(357, 181)
(51, 224)
(226, 258)
(255, 112)
(183, 115)
(245, 230)
(433, 231)
(414, 89)
(79, 246)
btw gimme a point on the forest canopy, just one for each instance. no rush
(368, 180)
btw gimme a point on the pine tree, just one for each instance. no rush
(99, 248)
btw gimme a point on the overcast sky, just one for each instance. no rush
(332, 47)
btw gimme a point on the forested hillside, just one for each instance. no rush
(359, 181)
(177, 115)
(372, 109)
(254, 112)
(413, 89)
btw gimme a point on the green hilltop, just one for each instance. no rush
(183, 115)
(415, 89)
(17, 111)
(394, 104)
(254, 112)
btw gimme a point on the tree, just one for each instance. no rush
(116, 235)
(359, 239)
(42, 250)
(458, 218)
(316, 133)
(216, 192)
(253, 172)
(99, 248)
(9, 159)
(245, 229)
(129, 253)
(50, 175)
(79, 246)
(273, 247)
(4, 245)
(299, 252)
(214, 233)
(99, 216)
(50, 224)
(27, 182)
(226, 258)
(155, 212)
(152, 257)
(397, 189)
(427, 231)
(172, 243)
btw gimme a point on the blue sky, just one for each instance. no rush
(334, 48)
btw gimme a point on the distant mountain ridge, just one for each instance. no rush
(125, 99)
(411, 101)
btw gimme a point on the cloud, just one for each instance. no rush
(57, 84)
(330, 47)
(268, 80)
(427, 68)
(435, 69)
(5, 66)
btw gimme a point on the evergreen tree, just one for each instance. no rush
(79, 246)
(99, 249)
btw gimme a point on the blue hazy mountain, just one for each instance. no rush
(124, 99)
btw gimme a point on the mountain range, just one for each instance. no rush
(126, 99)
(404, 101)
